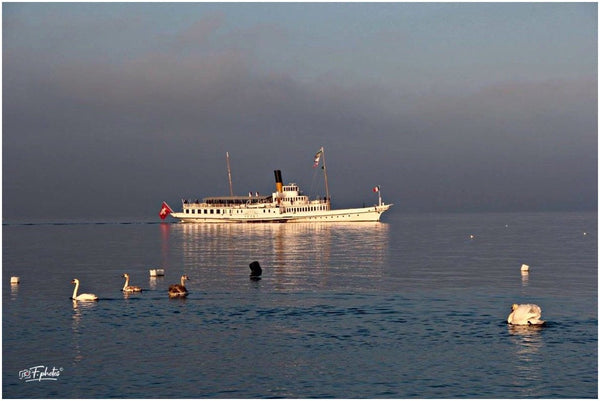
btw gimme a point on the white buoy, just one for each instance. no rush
(472, 236)
(524, 268)
(14, 280)
(157, 272)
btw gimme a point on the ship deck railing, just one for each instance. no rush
(246, 201)
(228, 201)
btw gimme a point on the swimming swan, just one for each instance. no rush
(525, 314)
(130, 288)
(179, 290)
(81, 297)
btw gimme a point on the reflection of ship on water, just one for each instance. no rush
(293, 252)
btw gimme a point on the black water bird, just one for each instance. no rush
(255, 270)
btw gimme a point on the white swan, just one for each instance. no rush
(179, 290)
(525, 314)
(81, 297)
(130, 288)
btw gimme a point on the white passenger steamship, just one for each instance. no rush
(286, 205)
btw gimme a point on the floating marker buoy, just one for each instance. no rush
(472, 236)
(524, 268)
(14, 280)
(157, 272)
(255, 270)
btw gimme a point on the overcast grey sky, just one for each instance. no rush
(111, 108)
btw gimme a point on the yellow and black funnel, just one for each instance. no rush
(278, 181)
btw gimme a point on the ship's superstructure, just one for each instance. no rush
(286, 205)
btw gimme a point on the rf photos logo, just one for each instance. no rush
(39, 373)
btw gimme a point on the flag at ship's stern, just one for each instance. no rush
(165, 210)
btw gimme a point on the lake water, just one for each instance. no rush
(412, 307)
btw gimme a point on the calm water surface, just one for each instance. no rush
(411, 307)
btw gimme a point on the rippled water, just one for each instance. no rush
(412, 307)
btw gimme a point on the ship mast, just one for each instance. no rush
(325, 174)
(229, 174)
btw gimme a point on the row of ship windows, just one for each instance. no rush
(306, 209)
(199, 211)
(293, 199)
(220, 211)
(291, 209)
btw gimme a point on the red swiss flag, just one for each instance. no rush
(165, 210)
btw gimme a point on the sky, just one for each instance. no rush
(111, 108)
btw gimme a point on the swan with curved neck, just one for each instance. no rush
(525, 314)
(81, 297)
(179, 290)
(130, 288)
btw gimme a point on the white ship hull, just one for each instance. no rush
(274, 215)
